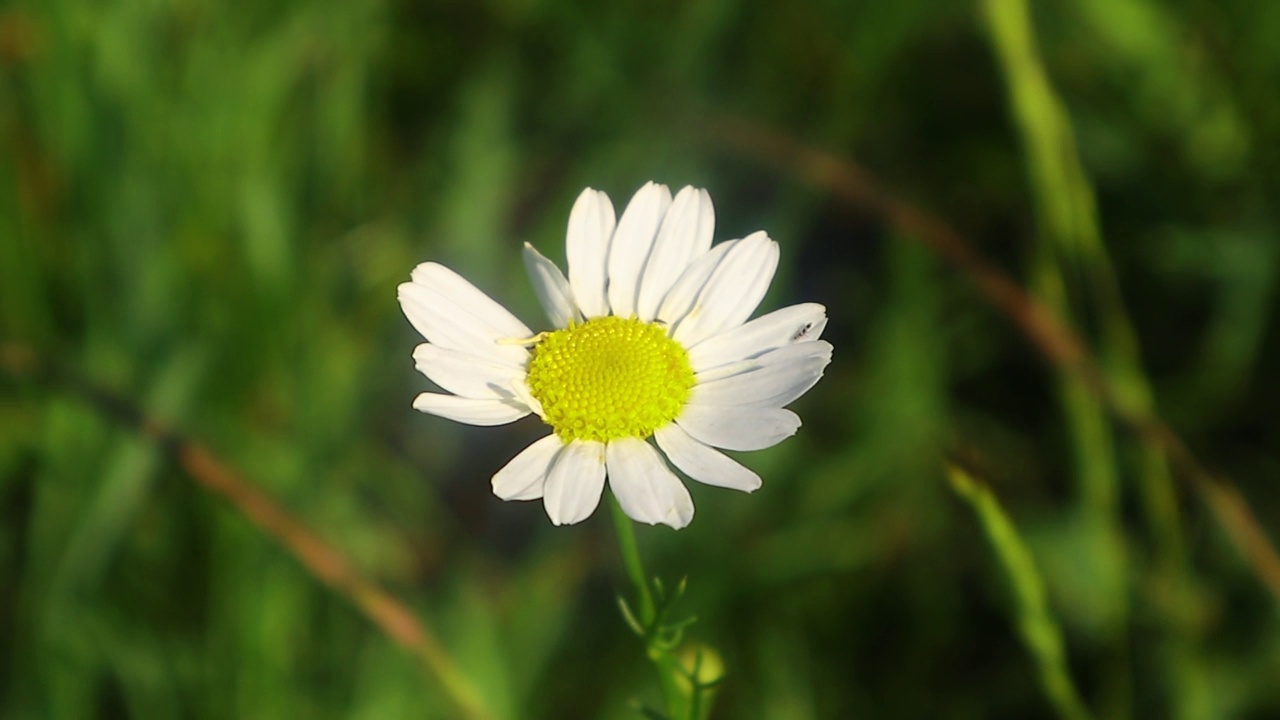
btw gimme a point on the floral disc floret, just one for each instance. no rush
(609, 378)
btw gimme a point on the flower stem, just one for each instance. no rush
(631, 561)
(678, 705)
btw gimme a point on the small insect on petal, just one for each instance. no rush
(804, 330)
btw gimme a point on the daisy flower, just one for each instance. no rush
(651, 340)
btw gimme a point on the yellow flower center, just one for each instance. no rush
(609, 378)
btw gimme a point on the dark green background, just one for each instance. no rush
(205, 207)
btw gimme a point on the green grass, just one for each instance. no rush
(205, 210)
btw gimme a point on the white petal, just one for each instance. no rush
(732, 292)
(645, 487)
(524, 476)
(465, 374)
(575, 482)
(685, 235)
(702, 463)
(773, 379)
(457, 316)
(457, 290)
(738, 428)
(591, 225)
(520, 386)
(684, 294)
(470, 410)
(794, 324)
(631, 244)
(551, 287)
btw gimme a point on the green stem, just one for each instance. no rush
(622, 527)
(677, 703)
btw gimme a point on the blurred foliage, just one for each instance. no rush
(206, 207)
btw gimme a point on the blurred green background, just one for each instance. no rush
(205, 208)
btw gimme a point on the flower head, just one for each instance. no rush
(651, 338)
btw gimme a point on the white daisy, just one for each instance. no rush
(651, 340)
